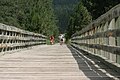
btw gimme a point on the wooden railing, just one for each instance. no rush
(12, 39)
(102, 37)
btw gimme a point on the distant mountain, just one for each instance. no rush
(63, 8)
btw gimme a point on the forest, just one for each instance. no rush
(63, 9)
(32, 15)
(52, 17)
(85, 12)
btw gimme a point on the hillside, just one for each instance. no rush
(62, 8)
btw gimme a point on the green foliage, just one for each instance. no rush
(78, 20)
(85, 8)
(63, 9)
(33, 15)
(99, 7)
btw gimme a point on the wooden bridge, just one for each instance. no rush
(53, 62)
(93, 53)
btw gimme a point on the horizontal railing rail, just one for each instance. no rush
(12, 38)
(102, 37)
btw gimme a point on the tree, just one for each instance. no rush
(33, 15)
(99, 7)
(80, 19)
(63, 9)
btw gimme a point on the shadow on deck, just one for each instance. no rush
(93, 68)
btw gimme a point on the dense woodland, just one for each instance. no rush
(87, 11)
(63, 9)
(33, 15)
(49, 17)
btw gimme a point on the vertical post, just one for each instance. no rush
(98, 40)
(112, 40)
(102, 40)
(118, 38)
(106, 40)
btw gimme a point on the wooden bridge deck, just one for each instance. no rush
(53, 62)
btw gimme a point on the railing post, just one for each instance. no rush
(101, 38)
(106, 40)
(112, 39)
(16, 39)
(118, 38)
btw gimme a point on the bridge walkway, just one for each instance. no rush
(52, 62)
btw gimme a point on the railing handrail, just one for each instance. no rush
(14, 29)
(12, 38)
(102, 38)
(112, 13)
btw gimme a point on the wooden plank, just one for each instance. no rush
(53, 62)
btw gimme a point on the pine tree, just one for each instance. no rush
(80, 19)
(33, 15)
